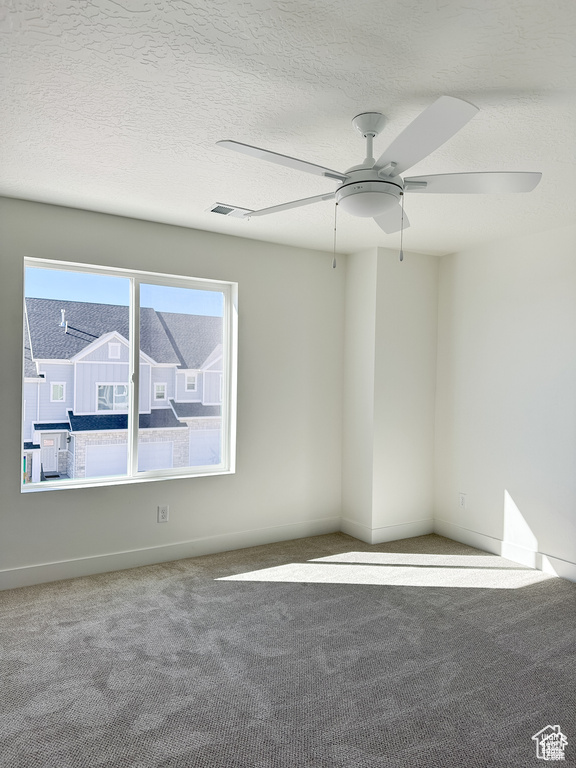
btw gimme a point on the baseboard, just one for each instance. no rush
(529, 557)
(388, 532)
(556, 566)
(357, 530)
(518, 554)
(118, 561)
(467, 536)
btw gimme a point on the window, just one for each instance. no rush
(112, 397)
(57, 392)
(118, 424)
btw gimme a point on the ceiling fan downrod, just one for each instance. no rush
(369, 124)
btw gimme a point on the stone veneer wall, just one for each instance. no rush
(209, 423)
(70, 459)
(62, 462)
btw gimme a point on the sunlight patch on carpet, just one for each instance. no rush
(405, 570)
(403, 558)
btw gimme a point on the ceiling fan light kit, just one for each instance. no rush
(368, 198)
(375, 187)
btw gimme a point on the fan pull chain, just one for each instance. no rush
(402, 230)
(334, 249)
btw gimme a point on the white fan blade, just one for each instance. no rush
(289, 162)
(490, 182)
(293, 204)
(391, 220)
(445, 117)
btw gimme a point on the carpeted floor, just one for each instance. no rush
(439, 656)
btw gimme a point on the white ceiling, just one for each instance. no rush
(116, 105)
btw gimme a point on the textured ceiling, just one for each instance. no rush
(116, 107)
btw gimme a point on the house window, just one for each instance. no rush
(112, 397)
(122, 425)
(57, 392)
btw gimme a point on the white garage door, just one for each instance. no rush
(204, 447)
(104, 460)
(155, 456)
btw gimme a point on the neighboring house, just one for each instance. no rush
(76, 369)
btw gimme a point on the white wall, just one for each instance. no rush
(390, 377)
(358, 414)
(289, 403)
(506, 398)
(405, 382)
(505, 402)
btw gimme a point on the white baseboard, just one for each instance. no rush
(466, 536)
(402, 531)
(388, 532)
(518, 554)
(531, 558)
(554, 565)
(357, 530)
(118, 561)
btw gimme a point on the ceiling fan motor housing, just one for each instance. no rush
(366, 195)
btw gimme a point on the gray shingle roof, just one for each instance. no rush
(167, 337)
(88, 322)
(158, 419)
(193, 337)
(58, 426)
(30, 371)
(194, 410)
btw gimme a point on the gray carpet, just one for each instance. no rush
(419, 663)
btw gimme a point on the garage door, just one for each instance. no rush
(204, 447)
(104, 460)
(155, 456)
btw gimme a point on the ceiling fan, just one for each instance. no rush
(375, 187)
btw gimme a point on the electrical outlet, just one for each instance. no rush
(163, 513)
(462, 501)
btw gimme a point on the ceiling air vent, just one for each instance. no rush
(229, 210)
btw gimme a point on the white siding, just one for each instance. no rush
(167, 376)
(88, 375)
(30, 408)
(63, 372)
(145, 388)
(100, 354)
(182, 396)
(212, 388)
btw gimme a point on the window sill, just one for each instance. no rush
(104, 482)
